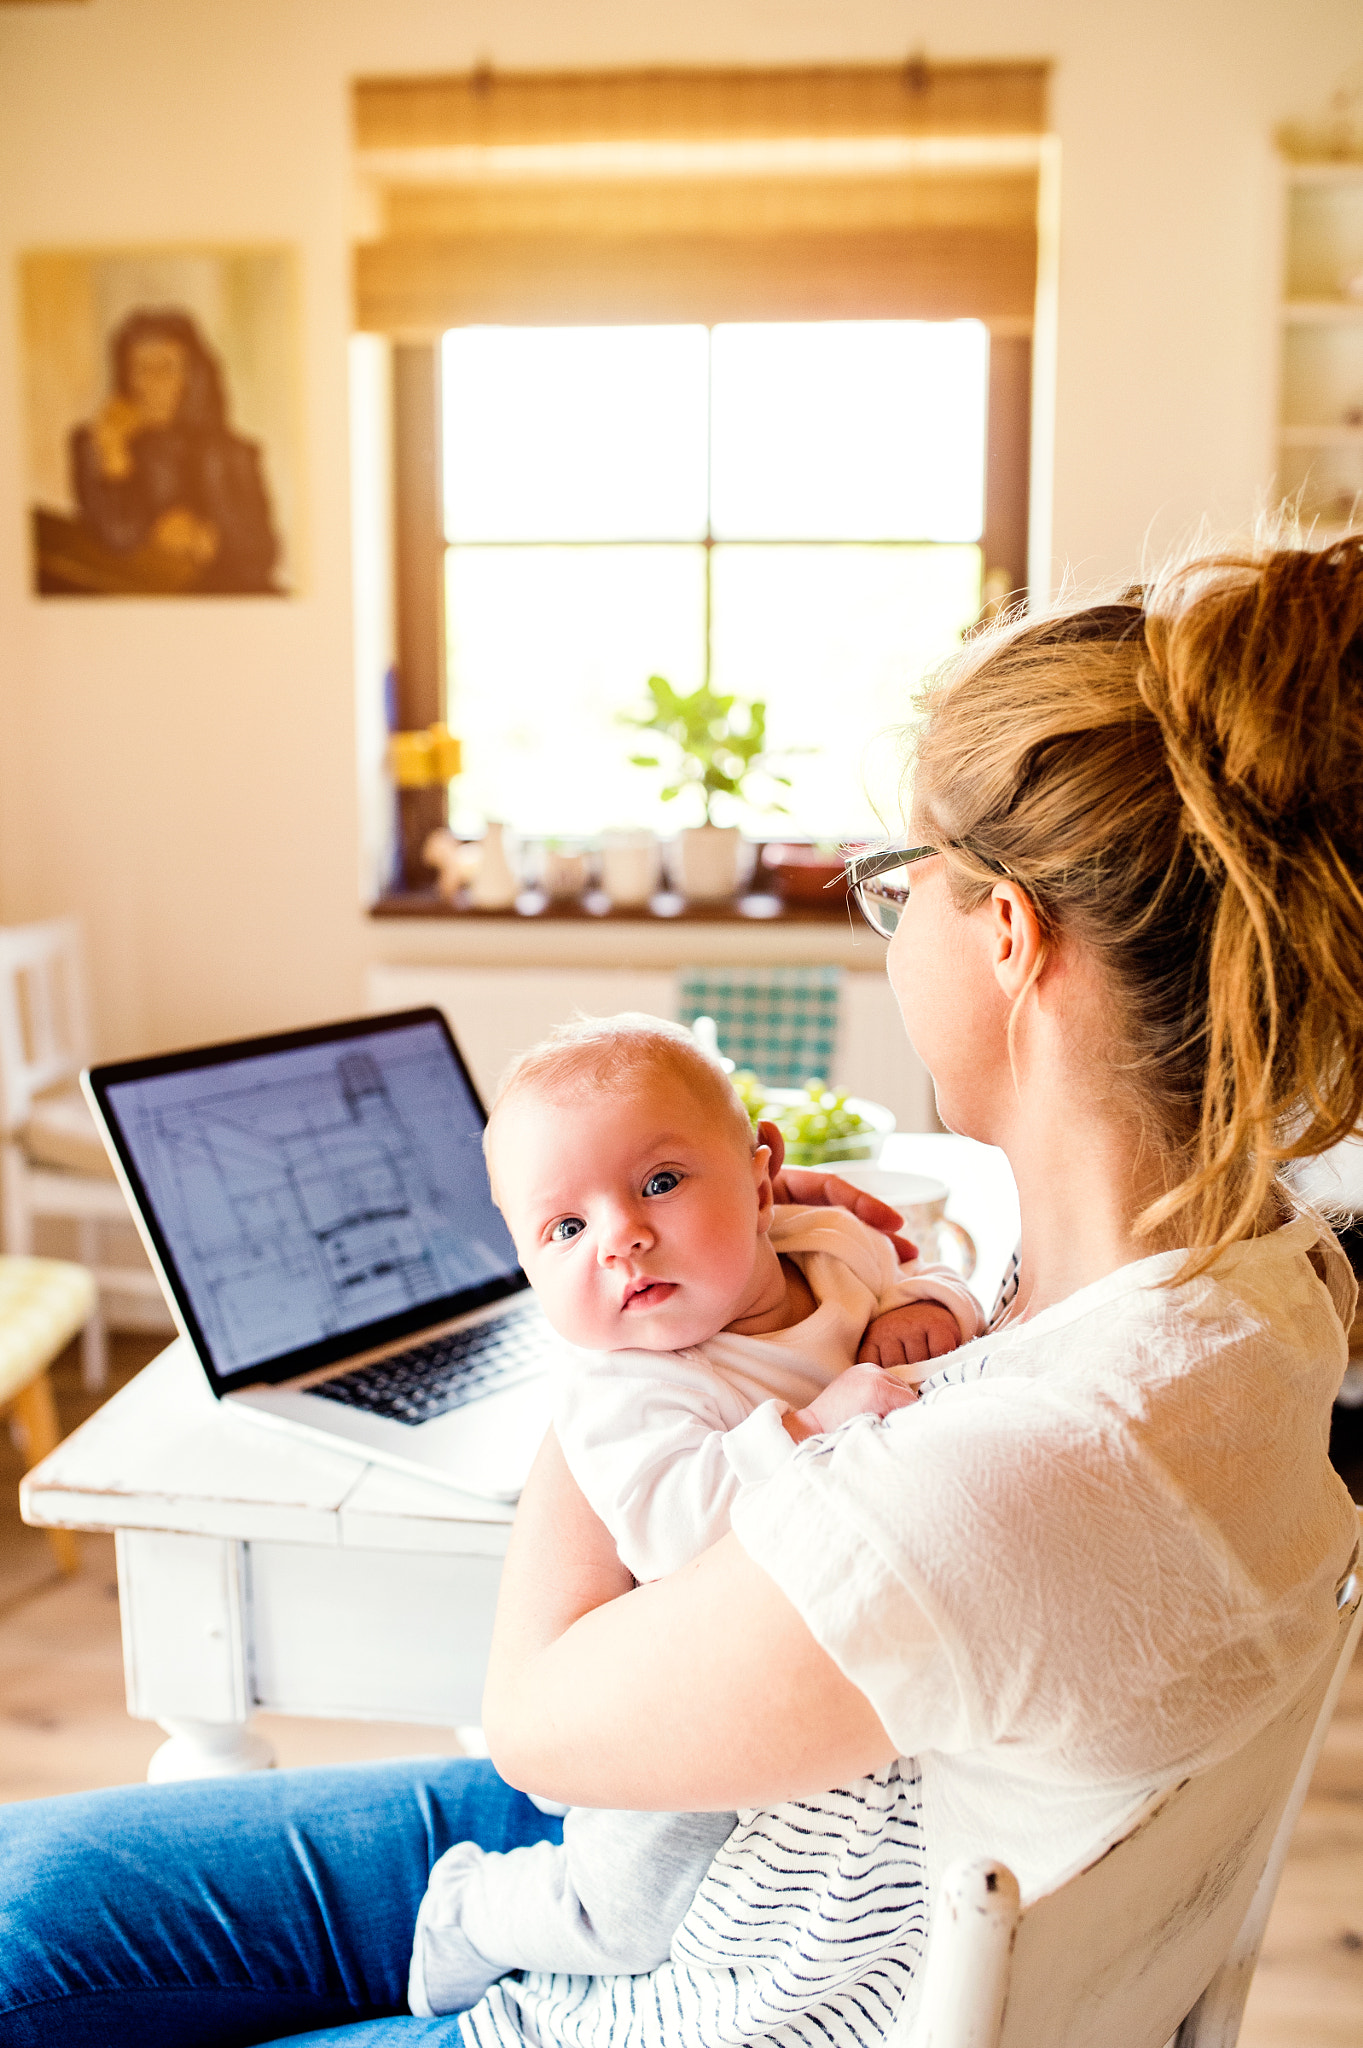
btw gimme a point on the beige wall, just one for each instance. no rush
(182, 774)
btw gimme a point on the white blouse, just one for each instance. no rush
(1101, 1550)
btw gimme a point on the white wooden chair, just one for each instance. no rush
(1155, 1940)
(52, 1162)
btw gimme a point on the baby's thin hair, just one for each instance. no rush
(589, 1053)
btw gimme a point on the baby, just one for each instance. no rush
(712, 1330)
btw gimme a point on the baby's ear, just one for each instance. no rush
(766, 1195)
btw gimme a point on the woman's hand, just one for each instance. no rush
(812, 1186)
(112, 429)
(181, 532)
(702, 1691)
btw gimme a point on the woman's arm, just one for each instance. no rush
(702, 1691)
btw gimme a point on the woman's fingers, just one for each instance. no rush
(811, 1186)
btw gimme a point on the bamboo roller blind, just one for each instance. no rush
(855, 193)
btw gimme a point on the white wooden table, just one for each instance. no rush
(259, 1572)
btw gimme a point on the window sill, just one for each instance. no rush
(533, 907)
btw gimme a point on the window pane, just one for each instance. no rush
(546, 646)
(834, 639)
(575, 433)
(856, 430)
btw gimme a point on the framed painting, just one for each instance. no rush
(162, 401)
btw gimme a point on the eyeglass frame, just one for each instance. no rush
(860, 869)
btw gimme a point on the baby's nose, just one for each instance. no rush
(625, 1234)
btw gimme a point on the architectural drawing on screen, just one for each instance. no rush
(302, 1207)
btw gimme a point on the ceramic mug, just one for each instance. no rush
(922, 1202)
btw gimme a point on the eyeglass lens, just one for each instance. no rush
(882, 898)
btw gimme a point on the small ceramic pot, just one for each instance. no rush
(631, 866)
(708, 859)
(564, 874)
(922, 1202)
(803, 874)
(494, 885)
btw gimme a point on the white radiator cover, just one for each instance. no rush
(496, 1012)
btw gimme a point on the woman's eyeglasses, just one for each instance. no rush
(880, 883)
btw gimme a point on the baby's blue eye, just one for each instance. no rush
(662, 1183)
(567, 1228)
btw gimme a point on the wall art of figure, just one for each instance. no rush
(163, 384)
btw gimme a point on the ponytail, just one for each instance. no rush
(1178, 784)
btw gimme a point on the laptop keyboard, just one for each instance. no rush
(450, 1371)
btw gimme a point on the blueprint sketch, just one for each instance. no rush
(311, 1192)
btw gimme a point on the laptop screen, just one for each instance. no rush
(314, 1195)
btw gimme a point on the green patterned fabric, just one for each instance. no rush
(43, 1303)
(780, 1021)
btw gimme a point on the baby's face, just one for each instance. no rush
(637, 1214)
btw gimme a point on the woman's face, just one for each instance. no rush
(156, 378)
(941, 971)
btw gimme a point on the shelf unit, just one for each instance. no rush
(1320, 408)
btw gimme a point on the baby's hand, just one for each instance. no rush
(910, 1335)
(860, 1390)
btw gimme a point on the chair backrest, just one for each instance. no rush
(44, 1026)
(1118, 1955)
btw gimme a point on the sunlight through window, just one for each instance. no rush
(792, 511)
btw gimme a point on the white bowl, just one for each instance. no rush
(862, 1146)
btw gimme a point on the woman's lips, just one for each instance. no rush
(649, 1294)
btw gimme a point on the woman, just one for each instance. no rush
(1100, 1550)
(160, 471)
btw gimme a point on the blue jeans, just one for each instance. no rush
(230, 1911)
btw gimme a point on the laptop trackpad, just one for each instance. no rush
(484, 1448)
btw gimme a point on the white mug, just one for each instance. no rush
(922, 1203)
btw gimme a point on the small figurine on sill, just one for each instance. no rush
(450, 857)
(481, 866)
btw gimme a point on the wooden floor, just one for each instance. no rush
(63, 1728)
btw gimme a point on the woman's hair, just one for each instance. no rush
(1176, 780)
(203, 403)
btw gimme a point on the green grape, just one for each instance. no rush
(821, 1127)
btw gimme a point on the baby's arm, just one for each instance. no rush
(605, 1904)
(661, 1446)
(923, 1314)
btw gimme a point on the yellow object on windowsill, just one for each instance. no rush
(424, 760)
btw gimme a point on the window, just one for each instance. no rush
(790, 510)
(714, 349)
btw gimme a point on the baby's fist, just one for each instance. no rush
(860, 1390)
(911, 1335)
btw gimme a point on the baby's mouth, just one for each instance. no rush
(648, 1294)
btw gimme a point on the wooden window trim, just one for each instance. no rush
(955, 237)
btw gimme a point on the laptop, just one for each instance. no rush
(317, 1210)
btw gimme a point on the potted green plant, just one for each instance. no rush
(720, 747)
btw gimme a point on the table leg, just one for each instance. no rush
(207, 1749)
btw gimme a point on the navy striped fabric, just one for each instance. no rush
(808, 1928)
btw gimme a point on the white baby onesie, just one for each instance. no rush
(661, 1441)
(661, 1444)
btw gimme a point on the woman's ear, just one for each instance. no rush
(1018, 947)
